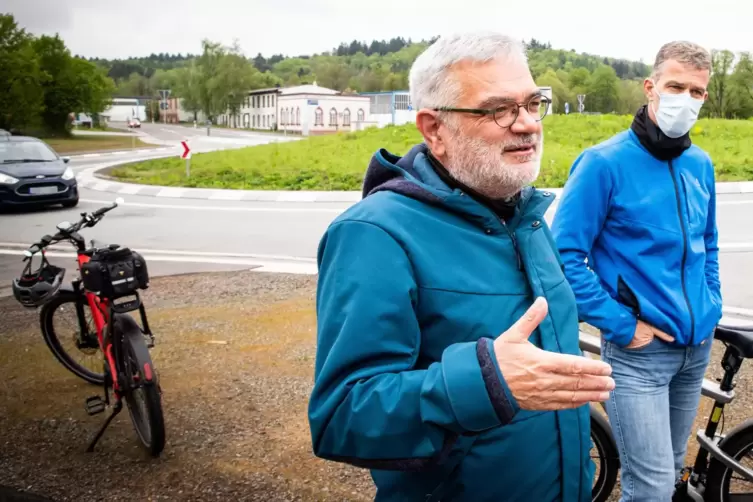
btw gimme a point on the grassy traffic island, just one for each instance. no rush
(70, 145)
(338, 162)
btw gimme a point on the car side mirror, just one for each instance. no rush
(66, 159)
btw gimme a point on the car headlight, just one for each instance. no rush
(7, 180)
(68, 174)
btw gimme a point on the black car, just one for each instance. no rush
(32, 173)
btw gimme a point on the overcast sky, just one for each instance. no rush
(122, 28)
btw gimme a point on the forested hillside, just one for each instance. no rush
(610, 85)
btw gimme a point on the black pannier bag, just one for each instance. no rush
(112, 273)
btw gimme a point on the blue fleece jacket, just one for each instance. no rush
(648, 231)
(415, 282)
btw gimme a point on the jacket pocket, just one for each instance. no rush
(696, 203)
(627, 297)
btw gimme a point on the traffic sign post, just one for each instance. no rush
(164, 94)
(186, 155)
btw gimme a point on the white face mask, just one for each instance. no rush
(677, 113)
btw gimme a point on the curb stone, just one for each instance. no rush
(91, 179)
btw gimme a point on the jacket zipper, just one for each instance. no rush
(514, 244)
(684, 252)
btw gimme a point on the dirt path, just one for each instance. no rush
(235, 353)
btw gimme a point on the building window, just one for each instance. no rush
(273, 100)
(297, 115)
(346, 118)
(253, 120)
(318, 117)
(333, 117)
(360, 115)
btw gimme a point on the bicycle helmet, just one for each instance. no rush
(33, 289)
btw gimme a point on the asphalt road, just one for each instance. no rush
(183, 235)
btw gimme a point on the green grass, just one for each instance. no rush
(82, 144)
(338, 162)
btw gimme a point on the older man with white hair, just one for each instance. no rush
(447, 358)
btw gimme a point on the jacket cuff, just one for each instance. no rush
(467, 389)
(500, 395)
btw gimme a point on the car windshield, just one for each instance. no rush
(25, 151)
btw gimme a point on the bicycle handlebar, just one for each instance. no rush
(87, 220)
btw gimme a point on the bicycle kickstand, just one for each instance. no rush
(116, 409)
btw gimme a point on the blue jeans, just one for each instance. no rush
(651, 411)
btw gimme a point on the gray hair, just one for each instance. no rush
(431, 82)
(686, 53)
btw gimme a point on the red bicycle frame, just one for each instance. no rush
(100, 309)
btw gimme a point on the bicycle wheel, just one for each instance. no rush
(608, 463)
(738, 445)
(63, 306)
(143, 395)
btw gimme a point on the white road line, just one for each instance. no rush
(209, 254)
(733, 202)
(736, 245)
(170, 192)
(226, 195)
(738, 311)
(221, 208)
(264, 265)
(130, 189)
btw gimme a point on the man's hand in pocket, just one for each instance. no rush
(645, 333)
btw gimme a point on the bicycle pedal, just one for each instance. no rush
(94, 405)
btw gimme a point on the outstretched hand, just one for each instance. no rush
(542, 380)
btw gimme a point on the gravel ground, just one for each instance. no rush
(235, 356)
(235, 411)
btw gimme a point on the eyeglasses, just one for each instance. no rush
(506, 114)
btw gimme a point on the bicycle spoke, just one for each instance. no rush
(69, 335)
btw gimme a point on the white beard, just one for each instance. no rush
(479, 165)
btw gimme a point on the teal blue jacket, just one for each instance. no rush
(415, 281)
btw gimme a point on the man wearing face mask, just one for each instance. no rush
(641, 208)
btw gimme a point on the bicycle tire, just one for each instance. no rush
(46, 316)
(736, 444)
(610, 459)
(136, 361)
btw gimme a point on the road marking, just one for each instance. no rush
(735, 245)
(226, 195)
(170, 192)
(130, 189)
(175, 252)
(738, 311)
(222, 208)
(733, 202)
(292, 267)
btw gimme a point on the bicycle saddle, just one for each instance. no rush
(740, 337)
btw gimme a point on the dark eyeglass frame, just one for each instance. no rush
(543, 100)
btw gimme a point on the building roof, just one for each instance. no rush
(297, 89)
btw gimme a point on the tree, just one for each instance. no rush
(602, 90)
(721, 63)
(21, 93)
(70, 85)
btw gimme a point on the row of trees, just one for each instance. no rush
(609, 85)
(41, 83)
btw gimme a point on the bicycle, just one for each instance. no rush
(106, 273)
(708, 479)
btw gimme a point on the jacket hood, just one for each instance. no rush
(413, 176)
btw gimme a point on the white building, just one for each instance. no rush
(395, 107)
(304, 109)
(390, 107)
